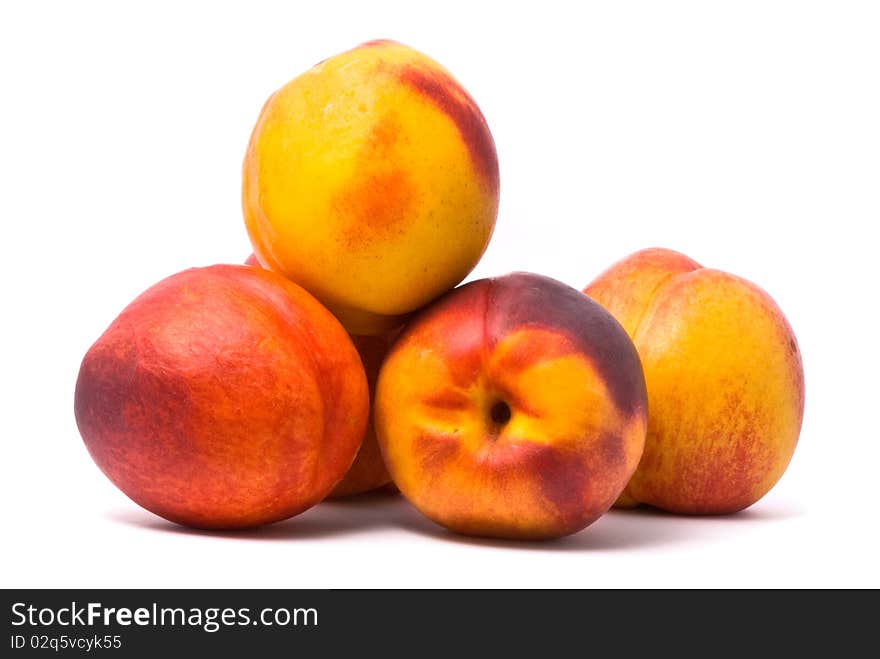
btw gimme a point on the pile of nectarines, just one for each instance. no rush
(341, 357)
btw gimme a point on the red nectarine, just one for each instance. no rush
(223, 397)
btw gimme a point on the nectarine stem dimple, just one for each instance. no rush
(500, 413)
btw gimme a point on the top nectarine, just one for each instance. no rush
(372, 181)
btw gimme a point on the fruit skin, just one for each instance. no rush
(725, 382)
(372, 181)
(368, 472)
(223, 397)
(572, 382)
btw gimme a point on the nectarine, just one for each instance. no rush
(223, 397)
(725, 382)
(368, 471)
(512, 407)
(372, 181)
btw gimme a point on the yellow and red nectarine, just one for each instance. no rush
(512, 407)
(372, 181)
(725, 382)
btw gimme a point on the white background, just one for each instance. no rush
(746, 135)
